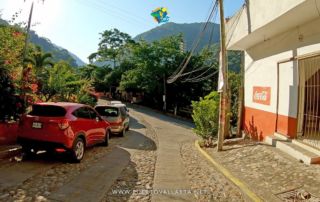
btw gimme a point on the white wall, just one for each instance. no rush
(261, 66)
(268, 18)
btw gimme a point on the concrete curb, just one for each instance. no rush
(241, 185)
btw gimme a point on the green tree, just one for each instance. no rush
(39, 60)
(63, 84)
(12, 43)
(111, 46)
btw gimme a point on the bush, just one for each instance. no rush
(11, 106)
(206, 116)
(85, 98)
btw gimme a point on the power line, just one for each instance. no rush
(183, 65)
(235, 22)
(203, 78)
(211, 35)
(109, 11)
(198, 77)
(194, 42)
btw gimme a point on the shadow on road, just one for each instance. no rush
(135, 124)
(139, 141)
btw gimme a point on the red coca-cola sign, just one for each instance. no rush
(261, 95)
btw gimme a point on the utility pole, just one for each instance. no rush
(241, 97)
(28, 32)
(224, 95)
(25, 48)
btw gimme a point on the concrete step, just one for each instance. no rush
(306, 147)
(293, 149)
(272, 140)
(298, 152)
(282, 137)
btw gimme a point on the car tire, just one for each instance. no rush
(123, 132)
(106, 139)
(28, 151)
(77, 151)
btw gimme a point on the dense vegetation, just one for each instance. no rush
(35, 77)
(46, 45)
(131, 69)
(142, 68)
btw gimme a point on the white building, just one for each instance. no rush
(281, 40)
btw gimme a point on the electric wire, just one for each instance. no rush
(197, 77)
(181, 68)
(193, 44)
(234, 24)
(204, 78)
(232, 27)
(109, 11)
(210, 39)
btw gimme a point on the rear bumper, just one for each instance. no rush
(116, 129)
(40, 144)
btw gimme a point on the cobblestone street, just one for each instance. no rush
(269, 171)
(51, 178)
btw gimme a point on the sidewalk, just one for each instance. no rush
(270, 173)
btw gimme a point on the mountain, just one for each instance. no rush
(190, 32)
(78, 60)
(58, 52)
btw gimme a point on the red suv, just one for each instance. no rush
(68, 126)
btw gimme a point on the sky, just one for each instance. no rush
(76, 24)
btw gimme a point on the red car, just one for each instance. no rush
(62, 125)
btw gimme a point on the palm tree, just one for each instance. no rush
(39, 59)
(41, 63)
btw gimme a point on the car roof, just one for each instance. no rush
(114, 106)
(120, 105)
(66, 105)
(115, 101)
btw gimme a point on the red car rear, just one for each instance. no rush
(69, 126)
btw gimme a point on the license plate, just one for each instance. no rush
(36, 125)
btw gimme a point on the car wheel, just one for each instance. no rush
(106, 139)
(123, 132)
(78, 150)
(28, 151)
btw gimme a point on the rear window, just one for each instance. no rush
(47, 110)
(108, 111)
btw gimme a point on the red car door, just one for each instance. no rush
(98, 126)
(84, 124)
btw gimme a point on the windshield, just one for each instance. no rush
(108, 111)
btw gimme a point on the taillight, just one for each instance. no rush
(63, 124)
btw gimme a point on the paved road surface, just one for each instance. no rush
(170, 174)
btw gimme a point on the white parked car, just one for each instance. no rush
(115, 102)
